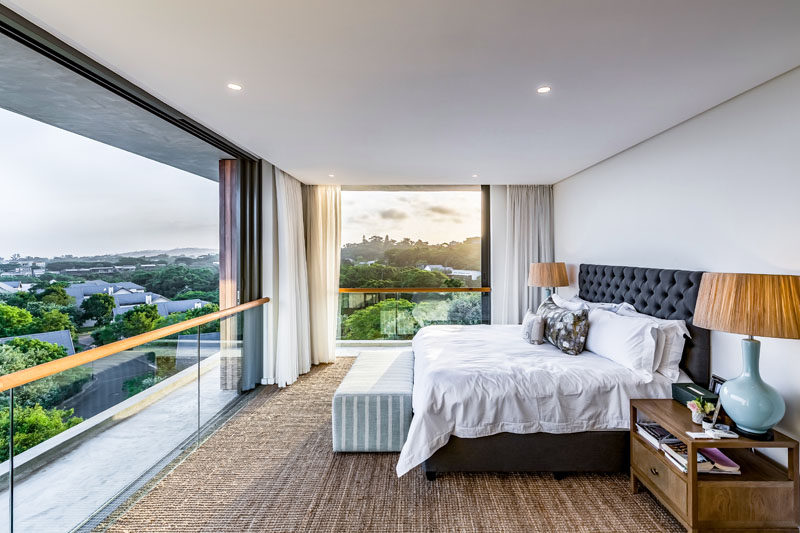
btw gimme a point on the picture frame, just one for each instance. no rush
(716, 383)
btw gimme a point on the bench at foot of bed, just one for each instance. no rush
(372, 406)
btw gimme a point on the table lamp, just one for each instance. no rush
(754, 305)
(548, 275)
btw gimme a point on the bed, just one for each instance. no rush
(558, 413)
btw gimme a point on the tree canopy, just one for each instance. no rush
(14, 321)
(175, 279)
(52, 320)
(56, 294)
(33, 425)
(378, 275)
(140, 319)
(407, 253)
(98, 307)
(387, 318)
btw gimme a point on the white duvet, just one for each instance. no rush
(473, 381)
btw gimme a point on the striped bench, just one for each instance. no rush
(372, 406)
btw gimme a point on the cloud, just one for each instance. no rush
(442, 210)
(392, 214)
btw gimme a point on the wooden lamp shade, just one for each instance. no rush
(548, 275)
(761, 305)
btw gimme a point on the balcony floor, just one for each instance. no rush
(271, 468)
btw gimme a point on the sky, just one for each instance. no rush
(432, 216)
(67, 194)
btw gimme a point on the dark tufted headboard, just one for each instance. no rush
(657, 292)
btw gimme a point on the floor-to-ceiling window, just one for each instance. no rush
(411, 257)
(110, 230)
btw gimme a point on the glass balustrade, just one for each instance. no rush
(399, 315)
(86, 439)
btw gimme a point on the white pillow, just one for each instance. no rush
(674, 341)
(573, 304)
(593, 305)
(629, 341)
(527, 322)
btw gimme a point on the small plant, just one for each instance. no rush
(699, 405)
(700, 408)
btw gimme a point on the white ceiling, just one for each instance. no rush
(429, 92)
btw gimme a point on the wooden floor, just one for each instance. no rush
(271, 468)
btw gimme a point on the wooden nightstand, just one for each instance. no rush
(765, 497)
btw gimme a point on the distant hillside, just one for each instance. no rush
(188, 252)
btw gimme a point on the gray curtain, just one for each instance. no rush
(241, 335)
(250, 274)
(529, 239)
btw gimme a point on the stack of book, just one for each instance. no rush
(655, 434)
(709, 460)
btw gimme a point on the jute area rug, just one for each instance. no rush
(271, 468)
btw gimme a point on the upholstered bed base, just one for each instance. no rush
(589, 451)
(670, 294)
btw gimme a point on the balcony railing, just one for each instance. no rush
(398, 313)
(83, 433)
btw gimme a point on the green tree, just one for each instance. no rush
(21, 353)
(377, 275)
(389, 318)
(140, 319)
(414, 277)
(98, 307)
(175, 318)
(56, 294)
(52, 320)
(37, 351)
(20, 299)
(33, 425)
(108, 333)
(175, 279)
(209, 296)
(201, 311)
(372, 276)
(465, 309)
(14, 321)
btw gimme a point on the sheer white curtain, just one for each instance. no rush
(290, 347)
(529, 239)
(323, 218)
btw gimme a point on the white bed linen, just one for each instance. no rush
(474, 381)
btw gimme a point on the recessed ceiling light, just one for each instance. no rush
(331, 175)
(474, 175)
(544, 89)
(234, 87)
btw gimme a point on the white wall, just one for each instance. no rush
(720, 192)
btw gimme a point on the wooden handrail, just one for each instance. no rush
(408, 290)
(21, 377)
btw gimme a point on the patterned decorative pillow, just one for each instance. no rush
(564, 329)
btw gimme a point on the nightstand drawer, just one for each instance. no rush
(652, 467)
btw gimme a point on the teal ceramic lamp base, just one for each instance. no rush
(547, 293)
(752, 404)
